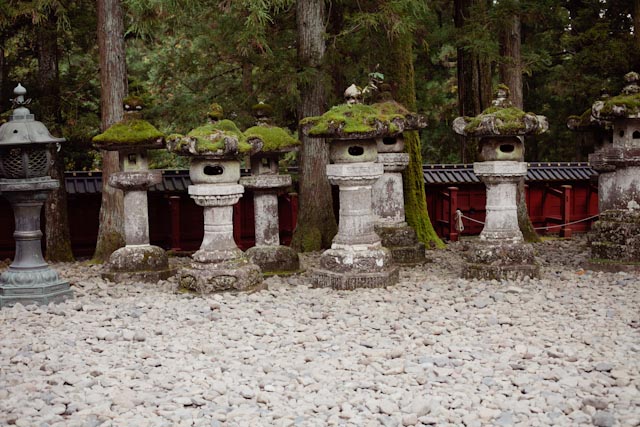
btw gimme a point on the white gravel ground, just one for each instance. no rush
(433, 350)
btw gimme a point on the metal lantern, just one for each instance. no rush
(24, 143)
(25, 160)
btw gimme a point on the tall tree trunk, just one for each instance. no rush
(636, 22)
(414, 193)
(5, 93)
(316, 222)
(474, 78)
(58, 240)
(113, 82)
(511, 75)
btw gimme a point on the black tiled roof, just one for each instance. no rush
(178, 180)
(540, 171)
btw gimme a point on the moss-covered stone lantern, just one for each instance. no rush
(131, 138)
(388, 191)
(219, 265)
(266, 183)
(501, 253)
(24, 165)
(356, 258)
(615, 240)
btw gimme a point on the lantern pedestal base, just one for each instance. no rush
(352, 267)
(32, 286)
(239, 275)
(403, 243)
(138, 263)
(501, 261)
(615, 241)
(274, 259)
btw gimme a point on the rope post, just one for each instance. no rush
(566, 231)
(174, 204)
(454, 235)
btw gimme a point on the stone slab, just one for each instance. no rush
(274, 259)
(403, 244)
(500, 168)
(321, 278)
(265, 182)
(500, 261)
(239, 275)
(141, 263)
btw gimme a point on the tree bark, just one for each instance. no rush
(415, 199)
(113, 83)
(316, 221)
(58, 239)
(474, 78)
(511, 75)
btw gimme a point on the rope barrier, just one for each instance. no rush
(459, 217)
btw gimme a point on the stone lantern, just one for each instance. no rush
(25, 160)
(388, 191)
(615, 241)
(266, 183)
(219, 265)
(501, 253)
(131, 138)
(357, 258)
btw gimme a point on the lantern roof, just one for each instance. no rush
(221, 139)
(501, 119)
(624, 106)
(360, 121)
(22, 128)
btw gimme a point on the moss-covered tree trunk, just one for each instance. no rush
(316, 222)
(113, 82)
(414, 193)
(58, 240)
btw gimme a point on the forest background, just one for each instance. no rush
(558, 56)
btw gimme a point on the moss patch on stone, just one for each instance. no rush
(355, 120)
(129, 132)
(621, 106)
(508, 120)
(212, 138)
(273, 138)
(215, 112)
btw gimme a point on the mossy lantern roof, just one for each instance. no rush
(359, 121)
(501, 119)
(624, 106)
(218, 140)
(271, 139)
(130, 133)
(585, 122)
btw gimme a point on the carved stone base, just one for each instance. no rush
(274, 259)
(32, 286)
(239, 275)
(403, 244)
(352, 267)
(500, 261)
(616, 236)
(140, 263)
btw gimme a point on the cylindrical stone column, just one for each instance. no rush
(388, 191)
(356, 222)
(501, 179)
(136, 226)
(267, 229)
(217, 200)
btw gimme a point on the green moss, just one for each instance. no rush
(210, 139)
(273, 138)
(355, 119)
(507, 120)
(129, 132)
(262, 109)
(630, 104)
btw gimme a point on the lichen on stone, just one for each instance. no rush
(498, 120)
(129, 133)
(359, 121)
(272, 138)
(217, 139)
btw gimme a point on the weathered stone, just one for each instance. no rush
(146, 263)
(233, 275)
(274, 259)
